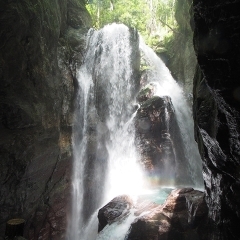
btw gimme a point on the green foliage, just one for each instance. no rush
(144, 65)
(166, 12)
(154, 19)
(130, 12)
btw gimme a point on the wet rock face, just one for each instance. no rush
(40, 46)
(182, 217)
(216, 111)
(115, 210)
(158, 139)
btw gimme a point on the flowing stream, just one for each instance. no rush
(105, 156)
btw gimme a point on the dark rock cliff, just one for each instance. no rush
(40, 46)
(216, 111)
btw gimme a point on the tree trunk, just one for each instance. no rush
(14, 227)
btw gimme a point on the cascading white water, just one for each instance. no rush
(83, 106)
(106, 90)
(107, 67)
(167, 86)
(124, 174)
(117, 231)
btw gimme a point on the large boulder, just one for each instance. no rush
(115, 210)
(181, 217)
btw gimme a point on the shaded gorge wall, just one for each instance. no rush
(216, 111)
(41, 43)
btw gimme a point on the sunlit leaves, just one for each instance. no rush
(154, 19)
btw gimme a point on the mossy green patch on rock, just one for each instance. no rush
(146, 92)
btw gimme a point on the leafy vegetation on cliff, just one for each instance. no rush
(154, 19)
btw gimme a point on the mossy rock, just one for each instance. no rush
(146, 93)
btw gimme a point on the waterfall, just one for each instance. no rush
(117, 78)
(80, 143)
(105, 157)
(106, 162)
(160, 75)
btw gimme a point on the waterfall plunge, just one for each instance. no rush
(105, 107)
(124, 174)
(103, 125)
(80, 142)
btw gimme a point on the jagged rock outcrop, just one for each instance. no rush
(159, 140)
(216, 111)
(41, 43)
(182, 216)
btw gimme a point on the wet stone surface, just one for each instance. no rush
(182, 216)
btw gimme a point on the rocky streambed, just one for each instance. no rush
(182, 216)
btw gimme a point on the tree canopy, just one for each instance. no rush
(154, 19)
